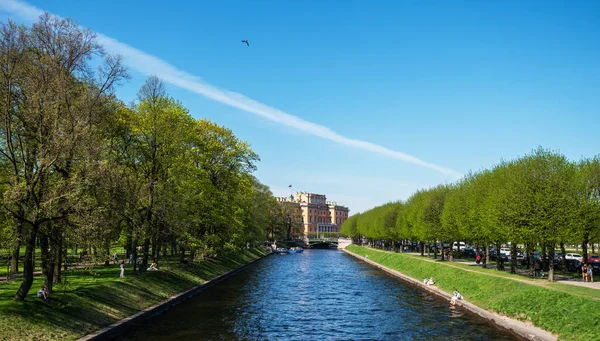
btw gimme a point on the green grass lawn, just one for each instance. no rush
(567, 311)
(94, 298)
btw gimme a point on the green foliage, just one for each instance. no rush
(78, 167)
(541, 200)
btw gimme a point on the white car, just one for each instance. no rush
(575, 256)
(458, 245)
(505, 251)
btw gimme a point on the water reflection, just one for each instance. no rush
(315, 295)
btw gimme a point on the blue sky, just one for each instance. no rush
(458, 85)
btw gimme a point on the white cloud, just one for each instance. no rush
(151, 65)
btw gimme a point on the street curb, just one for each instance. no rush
(120, 327)
(519, 328)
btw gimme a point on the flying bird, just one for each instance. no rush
(246, 41)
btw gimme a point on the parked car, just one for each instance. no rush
(468, 252)
(574, 256)
(593, 259)
(572, 265)
(506, 251)
(557, 258)
(458, 245)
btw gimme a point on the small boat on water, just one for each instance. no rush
(296, 250)
(282, 250)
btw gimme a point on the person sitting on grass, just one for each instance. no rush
(43, 292)
(154, 266)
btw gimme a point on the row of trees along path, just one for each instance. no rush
(542, 201)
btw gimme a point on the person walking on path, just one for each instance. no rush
(122, 266)
(116, 257)
(590, 273)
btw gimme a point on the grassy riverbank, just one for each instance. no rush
(94, 298)
(570, 313)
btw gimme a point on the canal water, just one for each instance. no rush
(315, 295)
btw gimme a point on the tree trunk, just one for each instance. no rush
(57, 249)
(530, 260)
(513, 258)
(443, 251)
(146, 251)
(135, 255)
(584, 247)
(27, 265)
(155, 249)
(422, 249)
(499, 265)
(563, 260)
(551, 263)
(66, 257)
(129, 241)
(14, 263)
(47, 261)
(182, 253)
(487, 254)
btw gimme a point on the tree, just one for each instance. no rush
(586, 224)
(51, 101)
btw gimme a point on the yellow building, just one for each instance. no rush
(318, 214)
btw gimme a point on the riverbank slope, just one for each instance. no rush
(90, 299)
(570, 316)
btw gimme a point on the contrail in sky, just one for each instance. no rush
(151, 65)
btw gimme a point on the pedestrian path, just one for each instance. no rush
(39, 272)
(18, 275)
(561, 279)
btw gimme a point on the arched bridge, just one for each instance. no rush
(325, 243)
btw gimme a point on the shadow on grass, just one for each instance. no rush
(93, 298)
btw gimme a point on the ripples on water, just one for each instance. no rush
(315, 295)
